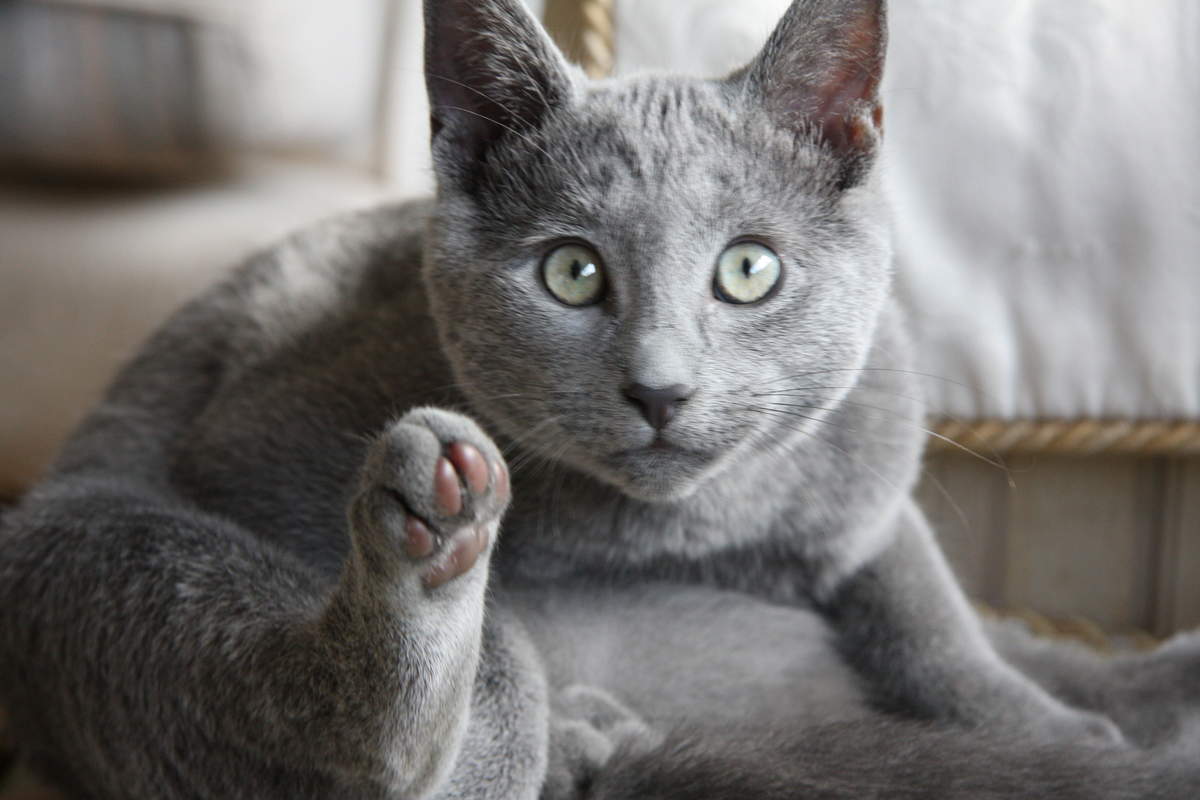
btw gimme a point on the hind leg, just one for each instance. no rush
(150, 650)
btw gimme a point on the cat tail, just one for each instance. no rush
(892, 759)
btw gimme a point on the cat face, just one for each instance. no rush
(624, 272)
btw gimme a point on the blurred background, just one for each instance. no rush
(1043, 159)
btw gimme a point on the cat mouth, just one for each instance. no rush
(658, 445)
(658, 470)
(660, 455)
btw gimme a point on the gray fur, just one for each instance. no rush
(209, 596)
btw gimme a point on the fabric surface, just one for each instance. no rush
(96, 90)
(127, 77)
(1044, 163)
(85, 276)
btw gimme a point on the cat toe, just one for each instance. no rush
(419, 541)
(461, 555)
(470, 464)
(446, 488)
(436, 484)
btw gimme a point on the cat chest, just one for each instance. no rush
(692, 655)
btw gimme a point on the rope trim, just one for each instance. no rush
(1072, 629)
(597, 37)
(1072, 437)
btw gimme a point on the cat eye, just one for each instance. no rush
(573, 274)
(746, 273)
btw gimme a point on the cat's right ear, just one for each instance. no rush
(491, 71)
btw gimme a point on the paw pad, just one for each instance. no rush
(434, 489)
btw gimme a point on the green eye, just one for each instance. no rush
(746, 273)
(573, 274)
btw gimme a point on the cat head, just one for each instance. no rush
(622, 269)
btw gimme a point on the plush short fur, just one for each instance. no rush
(217, 591)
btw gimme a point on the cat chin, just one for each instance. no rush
(658, 475)
(647, 493)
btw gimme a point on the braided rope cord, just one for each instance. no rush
(1084, 437)
(597, 37)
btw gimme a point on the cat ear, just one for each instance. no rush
(491, 71)
(821, 68)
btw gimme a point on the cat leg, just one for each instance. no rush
(150, 650)
(904, 624)
(1154, 696)
(887, 757)
(504, 749)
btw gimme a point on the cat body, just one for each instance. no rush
(271, 563)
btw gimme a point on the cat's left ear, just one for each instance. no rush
(820, 70)
(491, 71)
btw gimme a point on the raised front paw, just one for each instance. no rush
(433, 490)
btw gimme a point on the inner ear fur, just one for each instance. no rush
(490, 71)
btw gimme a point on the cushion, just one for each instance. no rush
(116, 93)
(87, 275)
(134, 87)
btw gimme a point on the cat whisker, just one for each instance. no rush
(925, 472)
(827, 387)
(782, 410)
(906, 421)
(994, 460)
(554, 506)
(890, 483)
(880, 370)
(533, 446)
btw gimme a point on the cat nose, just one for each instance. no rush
(658, 405)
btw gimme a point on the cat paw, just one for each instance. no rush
(587, 725)
(433, 490)
(1079, 727)
(1028, 711)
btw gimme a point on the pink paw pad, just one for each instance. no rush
(471, 465)
(463, 474)
(420, 542)
(446, 489)
(465, 551)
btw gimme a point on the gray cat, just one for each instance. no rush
(271, 563)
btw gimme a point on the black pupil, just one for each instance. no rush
(747, 267)
(579, 269)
